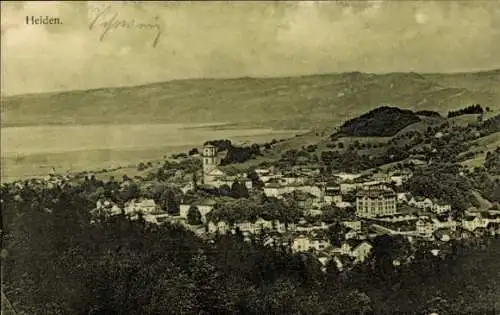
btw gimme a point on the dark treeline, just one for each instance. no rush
(473, 109)
(428, 113)
(57, 262)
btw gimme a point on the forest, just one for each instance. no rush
(58, 259)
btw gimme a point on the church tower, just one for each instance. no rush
(210, 160)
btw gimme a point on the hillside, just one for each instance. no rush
(304, 101)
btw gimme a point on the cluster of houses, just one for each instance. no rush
(376, 209)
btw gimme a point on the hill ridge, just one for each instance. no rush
(297, 102)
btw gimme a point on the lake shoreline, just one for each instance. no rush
(33, 151)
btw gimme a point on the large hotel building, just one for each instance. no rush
(375, 201)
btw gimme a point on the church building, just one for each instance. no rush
(213, 175)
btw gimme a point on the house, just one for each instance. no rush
(440, 207)
(292, 179)
(246, 227)
(351, 234)
(425, 227)
(332, 188)
(304, 200)
(357, 249)
(323, 261)
(448, 223)
(398, 180)
(156, 218)
(262, 224)
(135, 206)
(348, 187)
(220, 227)
(333, 199)
(421, 202)
(382, 177)
(403, 197)
(347, 176)
(362, 251)
(343, 204)
(273, 189)
(313, 190)
(204, 206)
(354, 225)
(306, 243)
(314, 211)
(471, 224)
(267, 174)
(106, 208)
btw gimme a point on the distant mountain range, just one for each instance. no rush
(305, 101)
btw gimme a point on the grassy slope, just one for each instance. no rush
(307, 101)
(485, 144)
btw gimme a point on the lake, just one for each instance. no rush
(34, 150)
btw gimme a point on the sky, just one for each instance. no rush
(101, 44)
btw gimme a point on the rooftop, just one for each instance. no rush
(375, 193)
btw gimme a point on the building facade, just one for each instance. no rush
(375, 201)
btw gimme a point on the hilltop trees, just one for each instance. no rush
(383, 121)
(473, 109)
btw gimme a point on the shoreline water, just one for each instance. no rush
(33, 151)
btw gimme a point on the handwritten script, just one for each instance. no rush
(109, 21)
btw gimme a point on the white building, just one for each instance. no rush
(440, 208)
(473, 224)
(354, 225)
(305, 243)
(144, 206)
(376, 201)
(426, 227)
(358, 249)
(221, 227)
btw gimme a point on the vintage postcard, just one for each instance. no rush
(250, 157)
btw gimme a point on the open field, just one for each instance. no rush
(34, 150)
(484, 145)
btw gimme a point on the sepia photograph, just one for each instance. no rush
(250, 157)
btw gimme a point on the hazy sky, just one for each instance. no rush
(221, 39)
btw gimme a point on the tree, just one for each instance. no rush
(239, 190)
(254, 177)
(225, 190)
(141, 167)
(193, 151)
(169, 201)
(336, 233)
(194, 216)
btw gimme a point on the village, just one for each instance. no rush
(335, 219)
